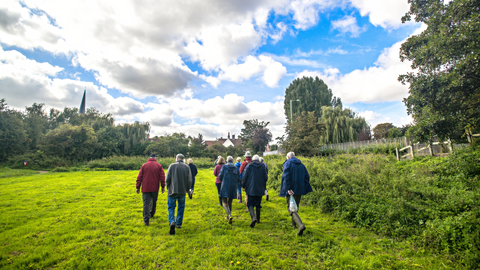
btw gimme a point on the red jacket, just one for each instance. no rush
(151, 174)
(216, 172)
(244, 164)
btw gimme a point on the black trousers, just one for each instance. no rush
(149, 204)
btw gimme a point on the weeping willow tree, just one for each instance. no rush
(135, 137)
(341, 125)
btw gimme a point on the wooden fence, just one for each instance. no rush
(397, 142)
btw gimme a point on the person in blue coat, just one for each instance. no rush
(254, 182)
(239, 186)
(229, 177)
(296, 183)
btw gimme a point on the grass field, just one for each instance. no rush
(93, 220)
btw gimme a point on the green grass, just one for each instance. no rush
(7, 172)
(93, 220)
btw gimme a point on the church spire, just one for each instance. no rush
(82, 105)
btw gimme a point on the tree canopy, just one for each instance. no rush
(303, 134)
(341, 125)
(444, 86)
(312, 94)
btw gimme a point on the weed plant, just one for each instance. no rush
(93, 220)
(433, 202)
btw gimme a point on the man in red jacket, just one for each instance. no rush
(150, 177)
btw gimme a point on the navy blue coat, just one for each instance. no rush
(194, 171)
(230, 177)
(295, 177)
(255, 179)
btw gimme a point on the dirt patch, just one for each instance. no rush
(42, 171)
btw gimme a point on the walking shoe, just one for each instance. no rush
(147, 223)
(230, 220)
(172, 228)
(178, 226)
(267, 197)
(190, 194)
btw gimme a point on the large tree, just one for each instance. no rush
(303, 134)
(381, 131)
(251, 127)
(312, 94)
(13, 136)
(341, 125)
(444, 86)
(261, 138)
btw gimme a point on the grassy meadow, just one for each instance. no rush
(93, 220)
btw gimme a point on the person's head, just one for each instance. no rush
(256, 157)
(261, 159)
(219, 157)
(239, 159)
(180, 157)
(290, 155)
(189, 161)
(230, 159)
(247, 154)
(153, 155)
(221, 160)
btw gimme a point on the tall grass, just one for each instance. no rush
(93, 220)
(433, 202)
(134, 163)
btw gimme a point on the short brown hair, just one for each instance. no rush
(221, 160)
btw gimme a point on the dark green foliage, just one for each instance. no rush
(303, 134)
(341, 125)
(134, 163)
(444, 88)
(169, 145)
(431, 201)
(313, 95)
(13, 136)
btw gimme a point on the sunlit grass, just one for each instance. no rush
(81, 220)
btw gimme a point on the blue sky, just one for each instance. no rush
(205, 66)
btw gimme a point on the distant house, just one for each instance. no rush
(225, 141)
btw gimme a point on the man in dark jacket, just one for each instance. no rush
(149, 178)
(255, 182)
(194, 171)
(179, 181)
(295, 182)
(229, 177)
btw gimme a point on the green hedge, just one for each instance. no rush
(134, 163)
(434, 202)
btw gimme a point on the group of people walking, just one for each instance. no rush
(251, 175)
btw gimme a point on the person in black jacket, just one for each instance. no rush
(296, 183)
(229, 177)
(194, 171)
(255, 182)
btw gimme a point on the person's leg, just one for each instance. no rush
(180, 210)
(227, 209)
(172, 204)
(230, 201)
(154, 204)
(219, 185)
(296, 218)
(258, 206)
(293, 221)
(250, 205)
(239, 192)
(146, 207)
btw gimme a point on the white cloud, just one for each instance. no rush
(383, 13)
(348, 25)
(369, 115)
(374, 84)
(272, 71)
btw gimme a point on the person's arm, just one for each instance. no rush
(288, 178)
(189, 184)
(195, 171)
(244, 179)
(162, 178)
(221, 174)
(139, 179)
(168, 179)
(216, 171)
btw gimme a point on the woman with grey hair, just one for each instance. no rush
(229, 177)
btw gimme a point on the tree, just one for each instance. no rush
(303, 134)
(169, 145)
(341, 125)
(444, 92)
(13, 136)
(36, 123)
(312, 94)
(261, 138)
(135, 138)
(380, 131)
(249, 130)
(197, 146)
(70, 142)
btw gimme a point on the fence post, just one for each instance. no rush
(412, 150)
(450, 146)
(396, 151)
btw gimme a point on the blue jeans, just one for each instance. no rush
(172, 203)
(239, 188)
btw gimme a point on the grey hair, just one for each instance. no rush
(261, 159)
(189, 161)
(290, 155)
(229, 159)
(256, 157)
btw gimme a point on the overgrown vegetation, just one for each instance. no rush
(432, 202)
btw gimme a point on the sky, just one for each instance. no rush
(203, 66)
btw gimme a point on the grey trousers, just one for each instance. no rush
(149, 205)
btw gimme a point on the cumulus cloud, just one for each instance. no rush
(374, 84)
(348, 24)
(382, 13)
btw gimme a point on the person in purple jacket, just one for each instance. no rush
(216, 172)
(296, 183)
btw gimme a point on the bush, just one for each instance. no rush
(136, 162)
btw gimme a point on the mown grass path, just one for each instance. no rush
(93, 220)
